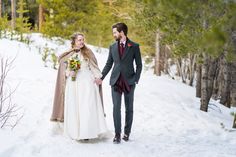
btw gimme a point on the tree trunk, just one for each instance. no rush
(180, 69)
(13, 14)
(184, 69)
(234, 124)
(198, 82)
(192, 66)
(225, 83)
(157, 69)
(178, 66)
(216, 93)
(41, 17)
(166, 57)
(233, 79)
(204, 83)
(211, 76)
(216, 87)
(233, 85)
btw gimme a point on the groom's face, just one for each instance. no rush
(116, 34)
(79, 41)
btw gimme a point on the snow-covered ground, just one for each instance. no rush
(167, 119)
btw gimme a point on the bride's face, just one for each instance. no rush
(79, 42)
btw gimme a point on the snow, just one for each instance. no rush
(167, 119)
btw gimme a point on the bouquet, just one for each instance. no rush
(74, 65)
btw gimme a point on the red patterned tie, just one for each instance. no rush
(122, 49)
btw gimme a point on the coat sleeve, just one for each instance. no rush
(93, 64)
(138, 62)
(108, 65)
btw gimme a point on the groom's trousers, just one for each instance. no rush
(129, 99)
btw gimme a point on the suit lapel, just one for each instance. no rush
(116, 51)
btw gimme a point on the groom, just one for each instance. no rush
(124, 77)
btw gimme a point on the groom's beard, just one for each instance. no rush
(117, 38)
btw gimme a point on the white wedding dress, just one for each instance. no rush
(83, 114)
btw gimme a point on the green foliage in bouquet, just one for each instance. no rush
(22, 24)
(74, 65)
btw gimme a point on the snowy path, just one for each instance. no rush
(167, 119)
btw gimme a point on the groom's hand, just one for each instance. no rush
(98, 81)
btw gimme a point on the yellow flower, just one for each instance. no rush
(74, 65)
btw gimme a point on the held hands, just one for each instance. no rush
(98, 81)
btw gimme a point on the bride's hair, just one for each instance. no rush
(84, 50)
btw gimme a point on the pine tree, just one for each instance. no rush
(93, 18)
(191, 27)
(100, 22)
(66, 16)
(22, 25)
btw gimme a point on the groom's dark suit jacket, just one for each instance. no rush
(124, 65)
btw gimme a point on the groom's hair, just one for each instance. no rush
(121, 27)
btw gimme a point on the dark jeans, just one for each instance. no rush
(129, 99)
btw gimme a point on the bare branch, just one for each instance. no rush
(8, 110)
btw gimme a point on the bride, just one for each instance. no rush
(84, 116)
